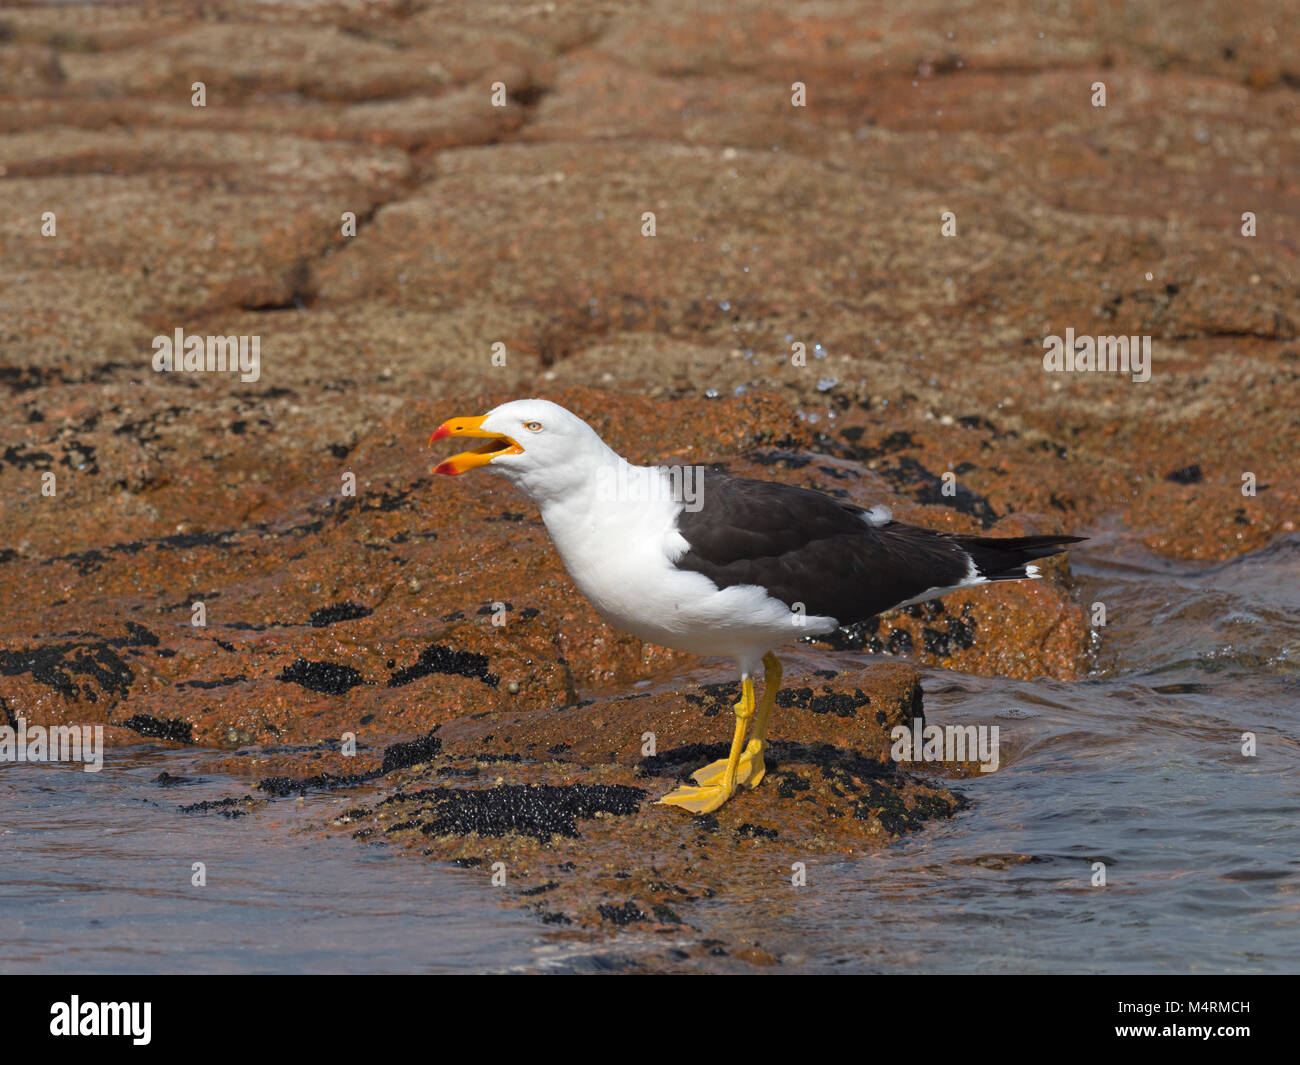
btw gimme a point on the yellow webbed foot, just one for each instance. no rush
(720, 786)
(750, 770)
(698, 800)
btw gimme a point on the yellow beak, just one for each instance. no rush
(495, 444)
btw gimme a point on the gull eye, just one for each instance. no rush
(533, 427)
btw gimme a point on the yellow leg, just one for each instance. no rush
(709, 797)
(751, 769)
(771, 685)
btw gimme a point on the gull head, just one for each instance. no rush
(542, 448)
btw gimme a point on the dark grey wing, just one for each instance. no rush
(804, 547)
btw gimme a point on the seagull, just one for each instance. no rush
(698, 561)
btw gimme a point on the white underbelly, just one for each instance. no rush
(653, 600)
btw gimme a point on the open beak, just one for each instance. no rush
(494, 444)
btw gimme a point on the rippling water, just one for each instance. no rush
(95, 877)
(1139, 767)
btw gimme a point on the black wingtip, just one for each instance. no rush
(1005, 558)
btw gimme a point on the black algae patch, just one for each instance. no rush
(1187, 475)
(281, 787)
(328, 677)
(622, 915)
(928, 488)
(136, 636)
(401, 755)
(25, 459)
(166, 780)
(841, 704)
(958, 634)
(89, 561)
(396, 756)
(345, 611)
(861, 635)
(788, 784)
(537, 810)
(437, 658)
(398, 500)
(897, 441)
(716, 698)
(57, 665)
(180, 731)
(884, 802)
(899, 643)
(231, 808)
(836, 762)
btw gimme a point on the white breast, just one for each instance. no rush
(620, 553)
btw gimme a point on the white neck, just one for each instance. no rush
(612, 503)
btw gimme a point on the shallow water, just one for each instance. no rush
(1138, 767)
(95, 876)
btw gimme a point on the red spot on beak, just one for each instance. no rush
(449, 468)
(439, 433)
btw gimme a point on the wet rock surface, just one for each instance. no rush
(558, 803)
(342, 590)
